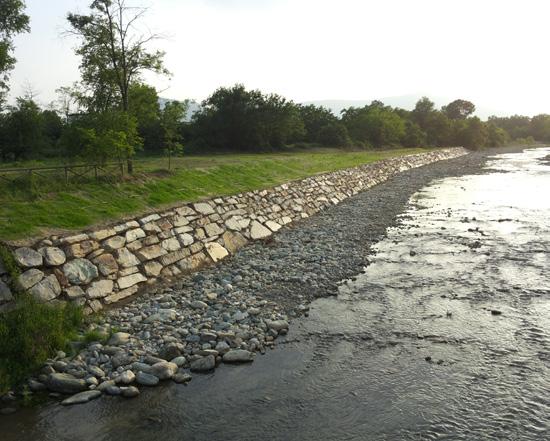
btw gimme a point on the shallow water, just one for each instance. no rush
(410, 349)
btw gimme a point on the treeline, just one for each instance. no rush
(111, 114)
(237, 119)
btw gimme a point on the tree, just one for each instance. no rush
(238, 119)
(13, 21)
(472, 133)
(516, 126)
(414, 135)
(315, 119)
(459, 109)
(540, 127)
(144, 106)
(171, 119)
(496, 136)
(334, 134)
(100, 137)
(423, 109)
(23, 132)
(374, 124)
(113, 53)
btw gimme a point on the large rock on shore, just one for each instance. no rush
(164, 370)
(82, 397)
(65, 384)
(204, 364)
(238, 356)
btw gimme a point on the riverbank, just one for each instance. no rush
(49, 204)
(241, 306)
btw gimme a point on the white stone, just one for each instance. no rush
(180, 221)
(186, 239)
(135, 234)
(69, 240)
(258, 231)
(100, 289)
(150, 218)
(102, 234)
(131, 280)
(171, 244)
(216, 251)
(117, 296)
(213, 229)
(185, 211)
(273, 226)
(126, 259)
(233, 224)
(114, 243)
(126, 226)
(152, 268)
(53, 256)
(203, 208)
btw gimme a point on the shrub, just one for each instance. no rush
(32, 332)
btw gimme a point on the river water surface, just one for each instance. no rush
(446, 335)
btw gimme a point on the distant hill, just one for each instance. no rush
(404, 102)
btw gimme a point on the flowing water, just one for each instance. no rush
(446, 335)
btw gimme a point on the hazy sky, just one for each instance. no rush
(495, 53)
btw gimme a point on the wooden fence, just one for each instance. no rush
(64, 173)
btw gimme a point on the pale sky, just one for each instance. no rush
(492, 52)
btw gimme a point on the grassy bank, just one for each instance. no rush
(51, 204)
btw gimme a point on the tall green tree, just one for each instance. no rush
(376, 124)
(239, 119)
(459, 109)
(101, 136)
(171, 121)
(13, 21)
(114, 53)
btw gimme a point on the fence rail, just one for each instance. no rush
(68, 173)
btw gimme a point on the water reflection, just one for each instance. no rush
(444, 336)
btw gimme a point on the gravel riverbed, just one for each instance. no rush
(231, 312)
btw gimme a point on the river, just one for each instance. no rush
(445, 335)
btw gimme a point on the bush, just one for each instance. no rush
(30, 333)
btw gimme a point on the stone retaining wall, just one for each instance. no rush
(103, 266)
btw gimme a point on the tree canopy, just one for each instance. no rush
(113, 52)
(13, 21)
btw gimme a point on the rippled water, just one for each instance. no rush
(444, 336)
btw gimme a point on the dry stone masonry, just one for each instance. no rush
(104, 266)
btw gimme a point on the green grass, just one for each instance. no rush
(51, 205)
(31, 333)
